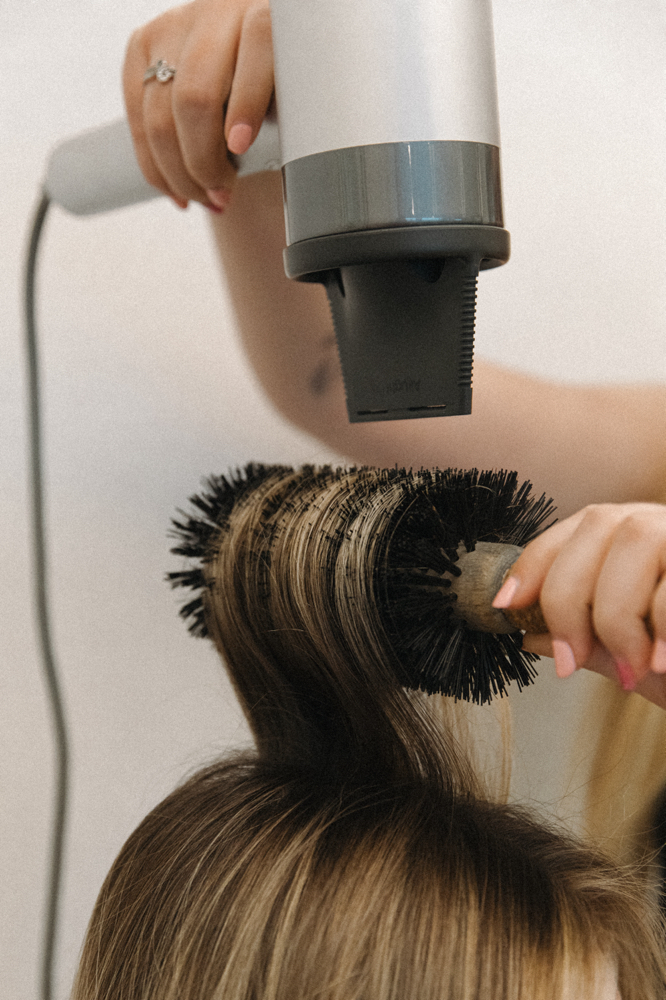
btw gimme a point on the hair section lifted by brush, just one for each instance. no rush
(379, 548)
(354, 854)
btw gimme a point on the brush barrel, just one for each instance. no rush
(483, 572)
(363, 560)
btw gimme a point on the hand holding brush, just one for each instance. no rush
(410, 563)
(598, 577)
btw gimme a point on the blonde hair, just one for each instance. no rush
(628, 773)
(355, 854)
(627, 778)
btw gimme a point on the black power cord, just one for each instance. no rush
(39, 556)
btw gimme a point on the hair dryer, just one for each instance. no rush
(389, 150)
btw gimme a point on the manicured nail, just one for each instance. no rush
(625, 675)
(220, 197)
(239, 139)
(565, 662)
(180, 202)
(659, 657)
(506, 593)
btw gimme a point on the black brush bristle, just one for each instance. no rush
(436, 513)
(438, 652)
(198, 533)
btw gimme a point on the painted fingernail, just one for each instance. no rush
(659, 657)
(220, 197)
(625, 675)
(239, 139)
(565, 662)
(506, 593)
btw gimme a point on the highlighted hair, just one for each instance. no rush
(354, 854)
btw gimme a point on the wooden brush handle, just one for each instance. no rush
(531, 619)
(483, 572)
(527, 619)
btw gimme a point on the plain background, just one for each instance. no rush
(146, 391)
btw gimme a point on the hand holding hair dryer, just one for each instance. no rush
(389, 151)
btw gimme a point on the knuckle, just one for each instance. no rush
(597, 513)
(194, 100)
(612, 629)
(641, 523)
(633, 527)
(136, 39)
(169, 21)
(258, 16)
(160, 128)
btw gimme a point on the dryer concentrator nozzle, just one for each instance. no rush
(417, 316)
(403, 302)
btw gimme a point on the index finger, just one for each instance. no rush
(531, 568)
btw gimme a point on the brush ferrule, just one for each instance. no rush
(482, 573)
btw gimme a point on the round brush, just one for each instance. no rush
(422, 554)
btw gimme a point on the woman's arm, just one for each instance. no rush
(580, 445)
(599, 576)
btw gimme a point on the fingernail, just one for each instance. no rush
(625, 675)
(659, 657)
(239, 139)
(220, 197)
(565, 662)
(180, 202)
(506, 593)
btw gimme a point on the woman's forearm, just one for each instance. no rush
(578, 444)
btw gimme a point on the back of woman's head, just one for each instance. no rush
(354, 855)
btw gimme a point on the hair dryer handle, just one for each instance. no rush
(97, 170)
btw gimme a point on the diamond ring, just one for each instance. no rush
(160, 71)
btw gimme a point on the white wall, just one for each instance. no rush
(145, 392)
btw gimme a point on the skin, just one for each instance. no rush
(181, 132)
(598, 576)
(598, 572)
